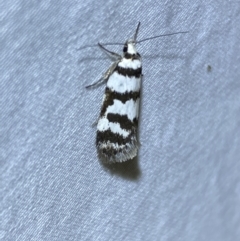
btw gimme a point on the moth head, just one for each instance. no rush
(129, 47)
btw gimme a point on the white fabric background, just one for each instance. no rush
(185, 184)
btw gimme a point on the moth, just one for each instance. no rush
(117, 126)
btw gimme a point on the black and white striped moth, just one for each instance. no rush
(117, 127)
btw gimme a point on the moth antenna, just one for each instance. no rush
(142, 40)
(162, 35)
(96, 45)
(135, 38)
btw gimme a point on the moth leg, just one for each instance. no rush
(111, 54)
(95, 123)
(105, 75)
